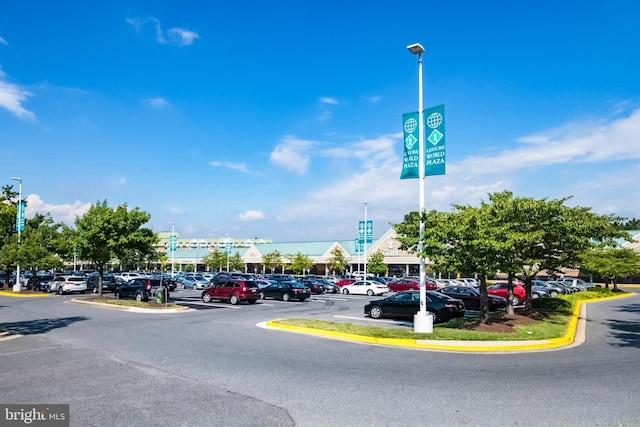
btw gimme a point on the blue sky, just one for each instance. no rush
(276, 119)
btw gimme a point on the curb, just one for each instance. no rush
(19, 295)
(574, 336)
(135, 309)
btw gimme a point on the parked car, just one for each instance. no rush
(575, 283)
(109, 282)
(501, 289)
(408, 284)
(281, 277)
(344, 281)
(141, 289)
(471, 297)
(67, 284)
(406, 304)
(314, 285)
(552, 289)
(232, 290)
(194, 281)
(329, 287)
(285, 291)
(368, 287)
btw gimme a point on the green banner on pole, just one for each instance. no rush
(434, 153)
(411, 130)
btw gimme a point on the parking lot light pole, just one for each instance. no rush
(17, 287)
(172, 248)
(365, 240)
(421, 322)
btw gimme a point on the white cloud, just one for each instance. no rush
(3, 41)
(66, 213)
(251, 216)
(327, 100)
(240, 167)
(174, 36)
(374, 99)
(155, 102)
(176, 211)
(182, 37)
(292, 154)
(12, 97)
(589, 141)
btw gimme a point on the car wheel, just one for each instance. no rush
(60, 291)
(261, 295)
(234, 299)
(181, 285)
(516, 300)
(117, 295)
(48, 289)
(345, 291)
(286, 297)
(553, 294)
(94, 290)
(535, 296)
(436, 318)
(370, 292)
(206, 297)
(376, 312)
(139, 297)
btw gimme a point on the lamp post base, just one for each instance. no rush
(17, 287)
(422, 323)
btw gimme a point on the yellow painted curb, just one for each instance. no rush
(458, 346)
(19, 295)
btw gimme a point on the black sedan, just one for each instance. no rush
(405, 304)
(471, 297)
(285, 291)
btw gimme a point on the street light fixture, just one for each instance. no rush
(421, 322)
(18, 287)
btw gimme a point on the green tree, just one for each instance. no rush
(300, 263)
(375, 263)
(338, 262)
(236, 263)
(610, 263)
(215, 260)
(104, 233)
(272, 260)
(8, 210)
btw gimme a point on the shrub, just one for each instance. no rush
(559, 305)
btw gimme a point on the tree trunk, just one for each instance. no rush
(484, 299)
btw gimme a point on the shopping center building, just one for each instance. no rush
(190, 252)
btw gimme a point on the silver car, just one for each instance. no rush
(67, 284)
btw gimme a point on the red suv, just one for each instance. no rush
(232, 290)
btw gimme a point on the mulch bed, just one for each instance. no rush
(503, 323)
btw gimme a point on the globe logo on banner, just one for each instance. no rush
(434, 120)
(410, 125)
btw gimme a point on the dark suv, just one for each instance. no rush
(232, 290)
(141, 289)
(109, 282)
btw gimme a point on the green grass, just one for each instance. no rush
(550, 316)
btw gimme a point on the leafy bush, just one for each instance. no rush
(559, 305)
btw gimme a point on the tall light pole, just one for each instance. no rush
(227, 247)
(17, 287)
(421, 322)
(365, 240)
(172, 247)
